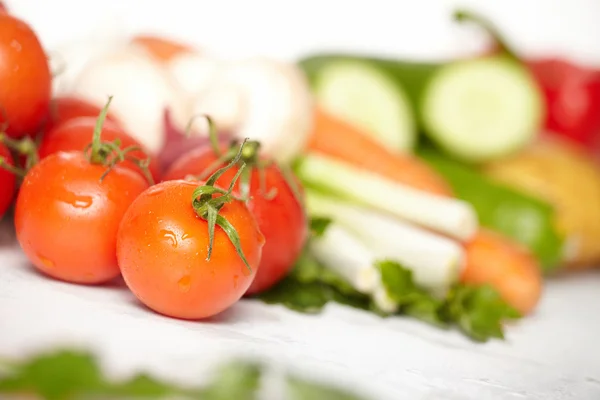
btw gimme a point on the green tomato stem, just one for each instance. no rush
(110, 154)
(11, 168)
(490, 28)
(207, 206)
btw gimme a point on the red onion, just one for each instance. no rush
(177, 143)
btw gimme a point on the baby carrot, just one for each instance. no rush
(336, 138)
(162, 49)
(496, 260)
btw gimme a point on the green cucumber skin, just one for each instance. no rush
(503, 209)
(411, 77)
(414, 78)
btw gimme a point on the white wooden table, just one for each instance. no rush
(551, 356)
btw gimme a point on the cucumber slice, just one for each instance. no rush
(476, 110)
(483, 109)
(366, 97)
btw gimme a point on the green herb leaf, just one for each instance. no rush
(478, 311)
(144, 386)
(75, 375)
(318, 225)
(304, 297)
(302, 390)
(310, 286)
(238, 381)
(414, 301)
(55, 376)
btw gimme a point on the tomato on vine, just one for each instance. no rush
(69, 207)
(66, 108)
(187, 249)
(274, 198)
(25, 78)
(74, 134)
(7, 179)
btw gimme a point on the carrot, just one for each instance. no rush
(161, 48)
(336, 138)
(513, 271)
(490, 257)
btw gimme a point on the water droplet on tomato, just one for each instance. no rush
(246, 271)
(185, 283)
(46, 262)
(16, 45)
(170, 236)
(76, 200)
(154, 191)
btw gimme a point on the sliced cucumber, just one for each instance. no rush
(476, 110)
(365, 96)
(483, 109)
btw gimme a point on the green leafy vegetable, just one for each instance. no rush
(478, 311)
(310, 286)
(414, 301)
(526, 219)
(318, 225)
(69, 374)
(302, 390)
(239, 381)
(73, 375)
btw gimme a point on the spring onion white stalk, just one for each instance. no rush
(343, 253)
(382, 300)
(339, 251)
(451, 217)
(435, 260)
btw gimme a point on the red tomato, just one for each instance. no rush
(281, 218)
(65, 108)
(7, 182)
(66, 219)
(25, 78)
(76, 134)
(162, 249)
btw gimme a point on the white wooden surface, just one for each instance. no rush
(552, 355)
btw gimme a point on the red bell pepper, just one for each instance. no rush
(572, 92)
(572, 98)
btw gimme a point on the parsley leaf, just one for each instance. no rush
(74, 375)
(310, 286)
(235, 381)
(56, 376)
(302, 390)
(478, 311)
(318, 225)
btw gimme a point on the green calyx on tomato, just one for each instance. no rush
(25, 148)
(110, 154)
(250, 157)
(207, 207)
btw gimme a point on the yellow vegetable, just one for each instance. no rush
(567, 178)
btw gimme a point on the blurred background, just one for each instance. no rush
(289, 29)
(423, 30)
